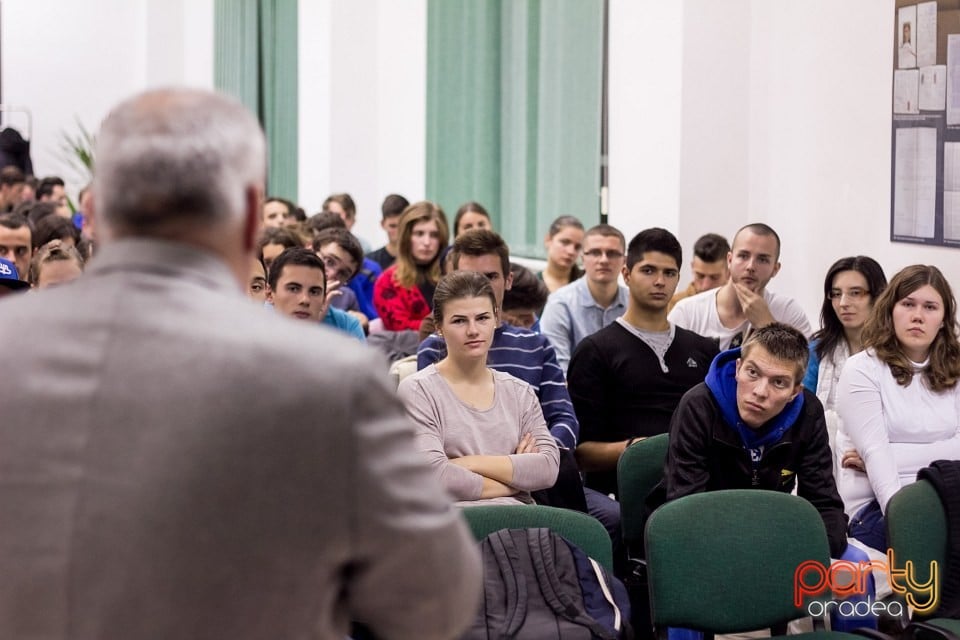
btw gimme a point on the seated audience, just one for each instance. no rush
(55, 263)
(10, 281)
(626, 379)
(731, 312)
(342, 257)
(16, 240)
(298, 289)
(523, 301)
(279, 212)
(482, 429)
(751, 425)
(55, 228)
(589, 304)
(850, 289)
(257, 281)
(470, 215)
(563, 243)
(272, 241)
(402, 293)
(898, 400)
(393, 205)
(709, 267)
(343, 205)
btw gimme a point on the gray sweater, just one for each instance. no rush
(447, 427)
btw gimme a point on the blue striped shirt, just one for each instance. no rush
(530, 357)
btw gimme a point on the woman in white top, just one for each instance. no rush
(850, 288)
(898, 400)
(483, 430)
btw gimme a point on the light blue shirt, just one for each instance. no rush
(572, 314)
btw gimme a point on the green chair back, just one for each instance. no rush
(724, 561)
(639, 470)
(917, 530)
(584, 531)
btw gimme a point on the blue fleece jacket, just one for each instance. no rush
(722, 382)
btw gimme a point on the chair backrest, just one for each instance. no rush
(917, 530)
(725, 561)
(639, 470)
(582, 530)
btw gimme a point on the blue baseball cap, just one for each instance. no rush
(9, 277)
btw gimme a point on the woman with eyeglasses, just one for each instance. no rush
(851, 286)
(898, 399)
(403, 293)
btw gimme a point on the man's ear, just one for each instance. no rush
(625, 272)
(253, 204)
(776, 270)
(269, 294)
(797, 390)
(508, 281)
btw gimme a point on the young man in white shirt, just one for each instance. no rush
(743, 304)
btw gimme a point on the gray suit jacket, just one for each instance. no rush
(176, 463)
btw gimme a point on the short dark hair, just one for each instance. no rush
(605, 230)
(11, 175)
(393, 205)
(295, 256)
(527, 292)
(481, 242)
(783, 342)
(459, 285)
(54, 228)
(35, 211)
(760, 229)
(711, 247)
(14, 221)
(45, 188)
(345, 201)
(323, 220)
(345, 240)
(654, 239)
(283, 236)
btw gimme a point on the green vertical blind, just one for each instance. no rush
(513, 111)
(255, 59)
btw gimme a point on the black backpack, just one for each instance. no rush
(538, 585)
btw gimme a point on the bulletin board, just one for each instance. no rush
(925, 167)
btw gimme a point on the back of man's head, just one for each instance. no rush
(11, 175)
(782, 342)
(481, 242)
(654, 239)
(711, 247)
(172, 161)
(393, 205)
(297, 256)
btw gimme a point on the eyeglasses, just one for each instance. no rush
(612, 254)
(341, 272)
(852, 294)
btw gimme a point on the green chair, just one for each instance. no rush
(584, 531)
(639, 470)
(725, 561)
(917, 532)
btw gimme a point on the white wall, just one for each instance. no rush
(68, 60)
(722, 112)
(365, 87)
